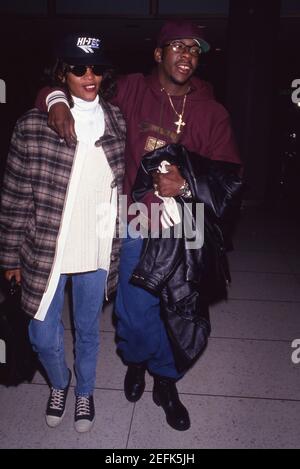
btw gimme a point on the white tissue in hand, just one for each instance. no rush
(170, 215)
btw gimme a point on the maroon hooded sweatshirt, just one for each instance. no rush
(150, 121)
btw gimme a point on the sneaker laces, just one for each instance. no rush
(82, 406)
(57, 399)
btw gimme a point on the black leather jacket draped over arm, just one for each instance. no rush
(188, 279)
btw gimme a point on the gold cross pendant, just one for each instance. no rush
(179, 124)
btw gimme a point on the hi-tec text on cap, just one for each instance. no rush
(88, 44)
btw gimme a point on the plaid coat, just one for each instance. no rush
(34, 190)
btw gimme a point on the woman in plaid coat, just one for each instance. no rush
(58, 218)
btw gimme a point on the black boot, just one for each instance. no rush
(165, 395)
(134, 383)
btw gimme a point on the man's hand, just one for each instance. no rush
(61, 120)
(168, 184)
(9, 274)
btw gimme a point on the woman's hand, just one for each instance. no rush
(9, 274)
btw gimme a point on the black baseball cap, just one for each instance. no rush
(82, 49)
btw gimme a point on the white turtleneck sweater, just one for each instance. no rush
(88, 243)
(88, 221)
(89, 120)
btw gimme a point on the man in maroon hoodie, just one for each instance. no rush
(169, 106)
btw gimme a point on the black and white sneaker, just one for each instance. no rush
(84, 413)
(56, 404)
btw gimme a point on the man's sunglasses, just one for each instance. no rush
(180, 47)
(80, 70)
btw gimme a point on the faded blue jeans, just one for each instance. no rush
(47, 337)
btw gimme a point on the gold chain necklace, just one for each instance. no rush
(180, 123)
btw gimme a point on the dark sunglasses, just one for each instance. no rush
(80, 70)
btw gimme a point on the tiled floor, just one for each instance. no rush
(244, 392)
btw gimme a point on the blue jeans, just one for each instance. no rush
(47, 337)
(141, 332)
